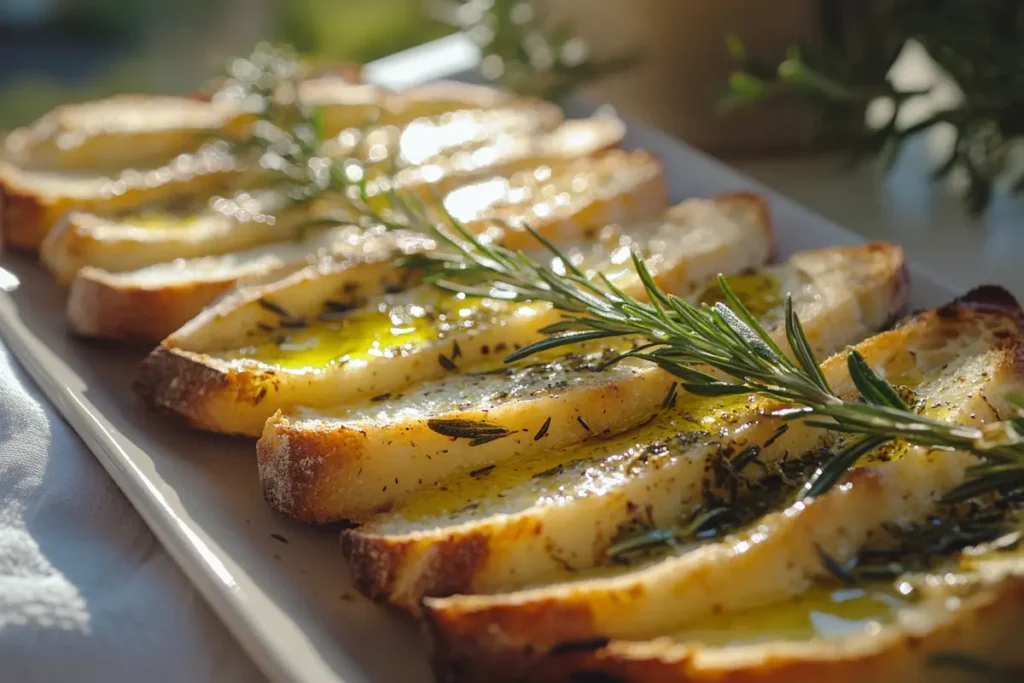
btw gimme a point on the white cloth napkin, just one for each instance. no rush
(86, 592)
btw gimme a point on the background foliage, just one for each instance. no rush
(54, 51)
(978, 44)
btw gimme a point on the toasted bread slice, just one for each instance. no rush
(150, 303)
(440, 100)
(118, 132)
(107, 156)
(362, 447)
(427, 138)
(966, 624)
(960, 361)
(31, 202)
(421, 547)
(124, 131)
(234, 386)
(415, 126)
(564, 201)
(160, 232)
(505, 155)
(126, 242)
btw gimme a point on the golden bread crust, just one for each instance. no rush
(406, 585)
(102, 309)
(984, 626)
(732, 575)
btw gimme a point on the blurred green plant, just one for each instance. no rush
(526, 53)
(130, 47)
(356, 30)
(979, 45)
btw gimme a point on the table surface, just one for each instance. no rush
(87, 593)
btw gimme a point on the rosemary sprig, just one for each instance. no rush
(731, 499)
(287, 140)
(685, 340)
(682, 339)
(525, 52)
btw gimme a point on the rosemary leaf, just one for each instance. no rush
(802, 348)
(648, 539)
(837, 569)
(465, 429)
(873, 388)
(832, 471)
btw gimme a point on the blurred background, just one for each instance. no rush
(739, 79)
(52, 51)
(664, 61)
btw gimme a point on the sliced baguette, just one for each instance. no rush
(472, 534)
(31, 202)
(379, 439)
(961, 360)
(150, 303)
(125, 131)
(234, 392)
(150, 234)
(126, 242)
(427, 138)
(442, 99)
(505, 155)
(969, 620)
(111, 155)
(118, 132)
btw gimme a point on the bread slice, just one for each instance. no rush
(360, 448)
(504, 155)
(150, 303)
(118, 132)
(440, 99)
(122, 131)
(222, 375)
(967, 625)
(576, 495)
(960, 361)
(427, 138)
(564, 201)
(107, 156)
(159, 232)
(118, 242)
(31, 201)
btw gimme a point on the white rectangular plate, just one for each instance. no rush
(290, 604)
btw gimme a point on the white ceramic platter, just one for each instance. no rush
(289, 602)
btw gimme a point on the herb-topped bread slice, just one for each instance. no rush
(111, 155)
(150, 303)
(32, 201)
(223, 372)
(935, 618)
(537, 407)
(160, 232)
(120, 132)
(359, 106)
(124, 131)
(957, 363)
